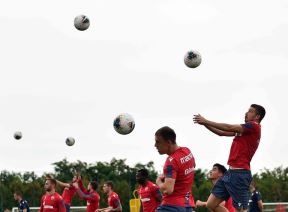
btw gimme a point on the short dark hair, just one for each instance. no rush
(220, 167)
(94, 185)
(53, 181)
(143, 173)
(260, 110)
(18, 193)
(167, 134)
(109, 183)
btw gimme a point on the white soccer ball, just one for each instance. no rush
(70, 141)
(124, 123)
(81, 22)
(18, 135)
(192, 59)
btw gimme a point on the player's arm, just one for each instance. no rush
(118, 208)
(219, 132)
(157, 194)
(200, 203)
(260, 205)
(41, 205)
(61, 205)
(81, 186)
(141, 207)
(60, 183)
(166, 185)
(236, 128)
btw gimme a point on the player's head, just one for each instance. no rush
(217, 171)
(93, 185)
(255, 113)
(252, 186)
(17, 195)
(50, 185)
(108, 186)
(142, 176)
(165, 138)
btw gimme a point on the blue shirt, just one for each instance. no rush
(23, 204)
(253, 202)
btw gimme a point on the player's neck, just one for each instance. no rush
(110, 192)
(51, 192)
(173, 149)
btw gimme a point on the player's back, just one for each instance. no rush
(148, 195)
(180, 166)
(93, 204)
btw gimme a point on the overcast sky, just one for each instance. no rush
(57, 81)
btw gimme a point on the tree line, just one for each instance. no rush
(273, 184)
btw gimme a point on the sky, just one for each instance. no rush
(58, 82)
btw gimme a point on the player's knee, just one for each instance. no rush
(211, 206)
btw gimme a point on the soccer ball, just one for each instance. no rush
(192, 59)
(81, 22)
(124, 124)
(18, 135)
(70, 141)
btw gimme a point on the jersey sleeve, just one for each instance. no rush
(85, 196)
(249, 127)
(170, 168)
(41, 205)
(25, 205)
(258, 196)
(156, 192)
(80, 183)
(115, 202)
(61, 205)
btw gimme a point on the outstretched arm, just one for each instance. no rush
(219, 132)
(235, 128)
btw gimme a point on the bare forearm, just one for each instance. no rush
(223, 126)
(219, 132)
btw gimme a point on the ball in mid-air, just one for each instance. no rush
(70, 141)
(18, 135)
(81, 22)
(124, 124)
(192, 59)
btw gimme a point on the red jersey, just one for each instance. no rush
(92, 197)
(68, 194)
(229, 205)
(149, 195)
(245, 145)
(113, 200)
(180, 166)
(52, 203)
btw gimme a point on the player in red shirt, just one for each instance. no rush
(91, 195)
(69, 190)
(236, 180)
(113, 198)
(148, 192)
(178, 173)
(215, 174)
(51, 201)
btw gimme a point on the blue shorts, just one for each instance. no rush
(67, 207)
(173, 208)
(234, 183)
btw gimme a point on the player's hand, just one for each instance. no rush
(160, 179)
(76, 185)
(198, 119)
(200, 203)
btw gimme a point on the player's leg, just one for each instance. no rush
(238, 188)
(219, 194)
(213, 204)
